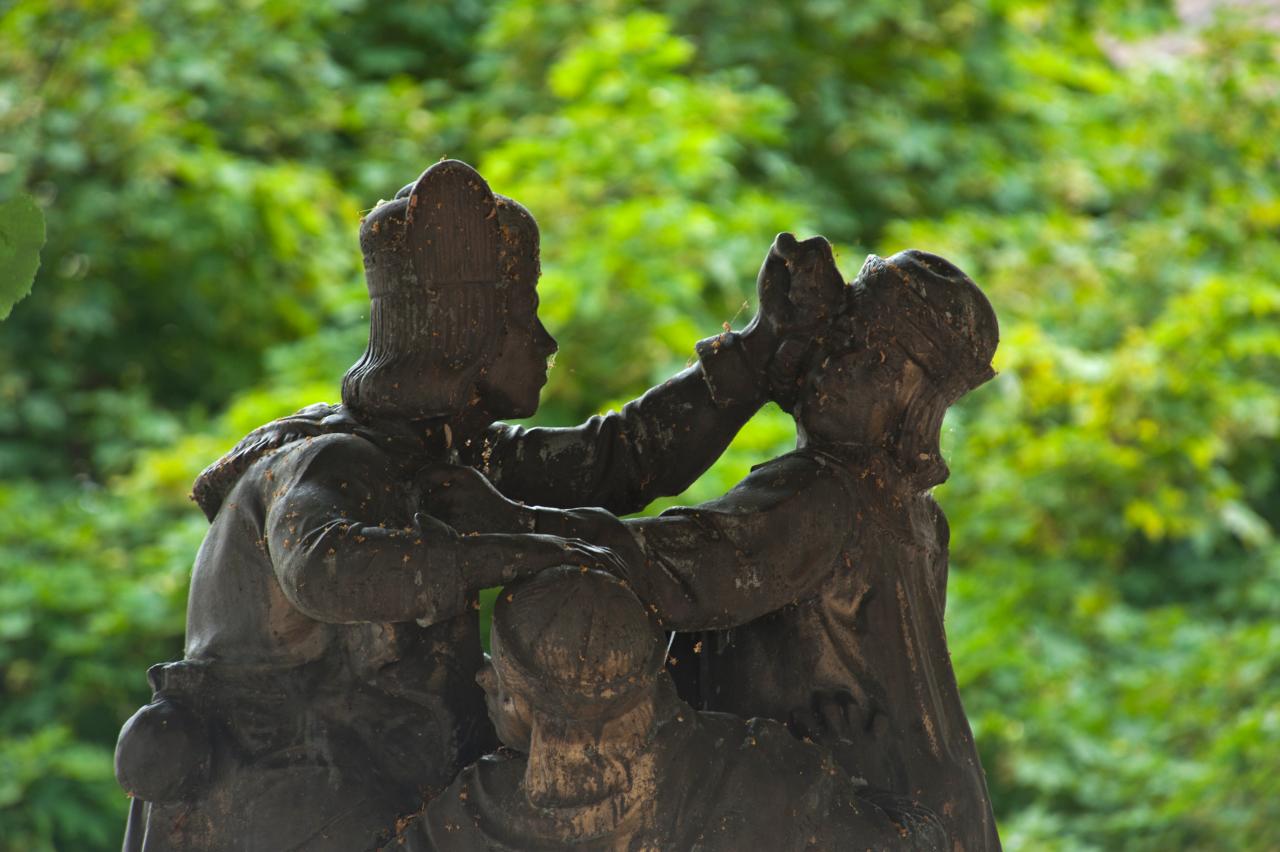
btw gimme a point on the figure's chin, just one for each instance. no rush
(526, 410)
(512, 409)
(529, 407)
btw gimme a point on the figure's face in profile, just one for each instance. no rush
(512, 383)
(858, 397)
(508, 712)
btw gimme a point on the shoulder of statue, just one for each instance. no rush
(769, 487)
(795, 466)
(332, 447)
(485, 452)
(773, 740)
(216, 481)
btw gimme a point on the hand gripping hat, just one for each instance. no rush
(576, 644)
(438, 260)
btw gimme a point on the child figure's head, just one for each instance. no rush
(575, 681)
(918, 335)
(572, 644)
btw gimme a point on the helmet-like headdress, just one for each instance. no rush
(936, 313)
(576, 644)
(438, 261)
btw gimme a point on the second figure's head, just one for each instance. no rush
(917, 335)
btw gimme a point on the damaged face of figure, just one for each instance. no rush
(508, 712)
(858, 397)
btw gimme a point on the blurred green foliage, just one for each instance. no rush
(1107, 171)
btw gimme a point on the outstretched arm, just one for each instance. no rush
(767, 543)
(655, 446)
(343, 553)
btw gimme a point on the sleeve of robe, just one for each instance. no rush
(767, 543)
(621, 461)
(343, 544)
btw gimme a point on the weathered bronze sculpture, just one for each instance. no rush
(332, 639)
(329, 685)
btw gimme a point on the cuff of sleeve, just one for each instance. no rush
(441, 588)
(585, 523)
(550, 522)
(727, 370)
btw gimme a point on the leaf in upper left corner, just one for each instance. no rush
(21, 238)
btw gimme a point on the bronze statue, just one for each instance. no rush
(613, 760)
(328, 689)
(829, 564)
(328, 684)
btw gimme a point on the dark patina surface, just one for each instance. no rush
(329, 688)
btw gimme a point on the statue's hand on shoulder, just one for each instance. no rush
(462, 498)
(499, 540)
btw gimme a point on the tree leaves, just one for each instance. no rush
(21, 238)
(1115, 493)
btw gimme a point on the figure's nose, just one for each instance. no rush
(546, 343)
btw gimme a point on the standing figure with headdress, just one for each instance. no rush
(820, 579)
(332, 639)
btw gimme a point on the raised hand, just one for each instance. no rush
(799, 287)
(800, 293)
